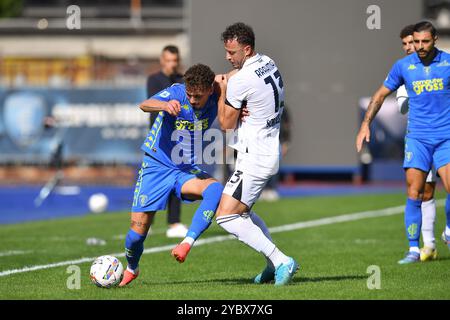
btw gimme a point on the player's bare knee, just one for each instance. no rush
(220, 210)
(228, 205)
(415, 189)
(415, 193)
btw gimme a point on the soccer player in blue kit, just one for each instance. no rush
(183, 110)
(426, 76)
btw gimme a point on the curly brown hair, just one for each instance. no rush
(240, 31)
(199, 76)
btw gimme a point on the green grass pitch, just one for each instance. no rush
(333, 258)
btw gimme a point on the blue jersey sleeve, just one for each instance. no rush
(170, 93)
(394, 79)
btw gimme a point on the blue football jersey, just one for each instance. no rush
(171, 140)
(428, 89)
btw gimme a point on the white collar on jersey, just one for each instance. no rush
(251, 60)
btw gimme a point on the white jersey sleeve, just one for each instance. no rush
(402, 100)
(237, 92)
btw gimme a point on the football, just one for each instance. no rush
(98, 202)
(106, 272)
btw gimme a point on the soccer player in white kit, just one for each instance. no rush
(258, 85)
(428, 252)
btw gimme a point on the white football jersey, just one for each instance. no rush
(259, 86)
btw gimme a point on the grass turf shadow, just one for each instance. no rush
(245, 281)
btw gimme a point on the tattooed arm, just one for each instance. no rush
(374, 106)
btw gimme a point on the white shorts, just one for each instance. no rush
(249, 177)
(431, 175)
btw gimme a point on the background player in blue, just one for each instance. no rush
(183, 109)
(429, 251)
(426, 76)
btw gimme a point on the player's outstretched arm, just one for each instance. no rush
(374, 106)
(172, 107)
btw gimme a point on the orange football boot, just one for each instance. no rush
(181, 251)
(128, 277)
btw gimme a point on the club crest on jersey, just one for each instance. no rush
(143, 199)
(408, 156)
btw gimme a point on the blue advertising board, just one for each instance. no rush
(93, 125)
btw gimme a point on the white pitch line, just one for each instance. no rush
(13, 253)
(288, 227)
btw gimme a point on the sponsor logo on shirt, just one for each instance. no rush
(191, 126)
(436, 84)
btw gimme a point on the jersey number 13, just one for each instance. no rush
(271, 81)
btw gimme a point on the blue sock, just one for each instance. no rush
(447, 210)
(413, 221)
(206, 211)
(134, 246)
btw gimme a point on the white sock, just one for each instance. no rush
(243, 228)
(414, 249)
(428, 218)
(277, 257)
(260, 223)
(188, 240)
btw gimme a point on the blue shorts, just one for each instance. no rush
(157, 181)
(423, 153)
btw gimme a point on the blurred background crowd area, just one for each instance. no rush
(90, 79)
(118, 44)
